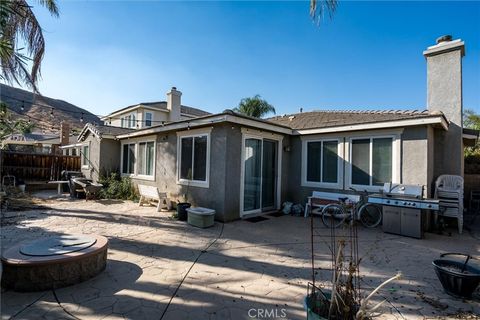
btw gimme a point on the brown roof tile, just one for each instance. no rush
(331, 118)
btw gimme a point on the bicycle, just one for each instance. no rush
(335, 214)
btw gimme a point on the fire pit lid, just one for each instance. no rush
(58, 245)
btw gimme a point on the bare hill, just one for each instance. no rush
(39, 109)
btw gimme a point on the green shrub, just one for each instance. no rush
(116, 187)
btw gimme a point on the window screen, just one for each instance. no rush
(186, 158)
(141, 157)
(314, 150)
(200, 158)
(322, 161)
(361, 161)
(150, 158)
(381, 161)
(193, 160)
(330, 162)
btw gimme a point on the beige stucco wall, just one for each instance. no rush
(444, 94)
(91, 171)
(223, 193)
(212, 196)
(140, 115)
(415, 157)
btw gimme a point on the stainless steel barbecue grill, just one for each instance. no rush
(402, 205)
(403, 195)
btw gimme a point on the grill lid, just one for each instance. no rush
(408, 190)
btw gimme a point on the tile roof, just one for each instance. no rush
(101, 130)
(193, 111)
(335, 118)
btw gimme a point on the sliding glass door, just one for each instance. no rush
(260, 175)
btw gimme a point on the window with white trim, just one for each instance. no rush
(322, 161)
(371, 161)
(148, 119)
(138, 159)
(193, 164)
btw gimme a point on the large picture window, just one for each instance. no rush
(138, 159)
(371, 161)
(193, 158)
(322, 161)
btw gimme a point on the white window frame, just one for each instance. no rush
(136, 142)
(145, 117)
(316, 184)
(248, 133)
(396, 142)
(87, 165)
(137, 150)
(192, 134)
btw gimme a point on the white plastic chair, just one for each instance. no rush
(449, 190)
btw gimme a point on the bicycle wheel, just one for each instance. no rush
(333, 215)
(370, 215)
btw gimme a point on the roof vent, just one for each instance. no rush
(445, 38)
(291, 118)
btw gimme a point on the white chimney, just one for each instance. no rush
(444, 93)
(174, 103)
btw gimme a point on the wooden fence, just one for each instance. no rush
(37, 167)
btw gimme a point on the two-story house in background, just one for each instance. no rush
(148, 114)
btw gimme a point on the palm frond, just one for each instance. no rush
(320, 8)
(19, 24)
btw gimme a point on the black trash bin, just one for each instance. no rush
(182, 210)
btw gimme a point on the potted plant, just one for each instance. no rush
(183, 206)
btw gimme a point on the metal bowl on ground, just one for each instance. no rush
(458, 278)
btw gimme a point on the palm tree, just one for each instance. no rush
(18, 25)
(318, 9)
(254, 107)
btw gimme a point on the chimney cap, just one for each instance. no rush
(444, 38)
(174, 88)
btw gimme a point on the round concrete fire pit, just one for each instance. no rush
(53, 262)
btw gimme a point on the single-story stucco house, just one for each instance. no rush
(242, 166)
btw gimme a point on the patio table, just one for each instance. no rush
(59, 183)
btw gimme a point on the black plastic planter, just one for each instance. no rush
(182, 210)
(457, 278)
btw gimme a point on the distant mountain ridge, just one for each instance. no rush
(39, 109)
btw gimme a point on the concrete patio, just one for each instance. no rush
(159, 268)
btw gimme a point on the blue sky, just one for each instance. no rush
(103, 55)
